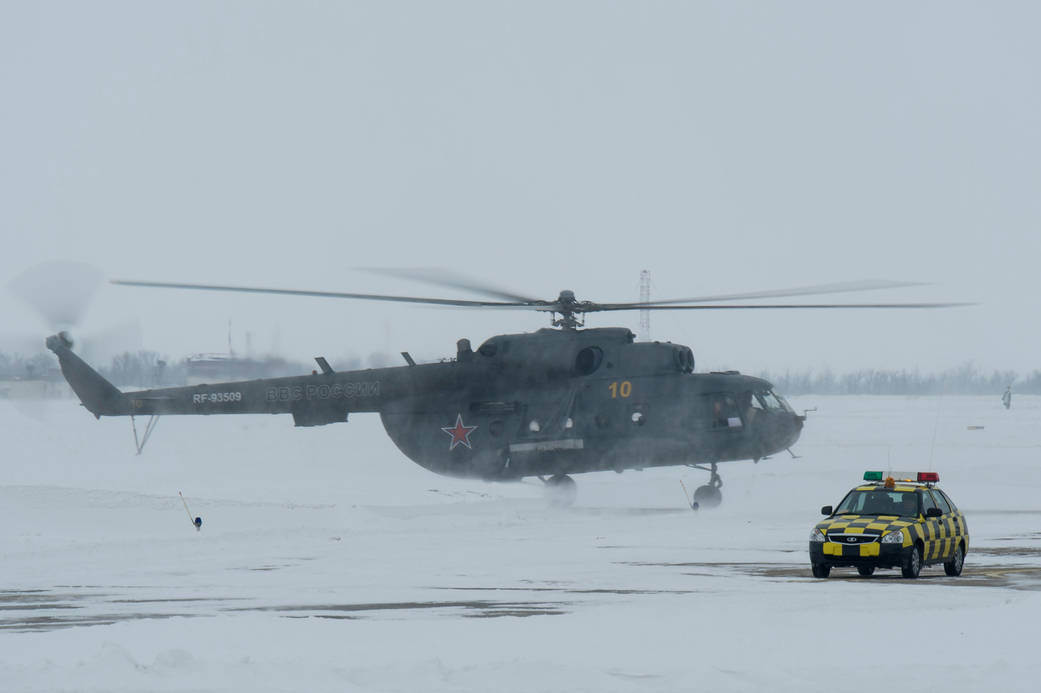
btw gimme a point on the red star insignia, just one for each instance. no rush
(460, 433)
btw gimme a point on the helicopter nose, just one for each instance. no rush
(794, 428)
(785, 431)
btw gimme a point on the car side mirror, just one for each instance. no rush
(826, 510)
(933, 512)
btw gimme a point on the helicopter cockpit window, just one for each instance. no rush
(771, 401)
(588, 360)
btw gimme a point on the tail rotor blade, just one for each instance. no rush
(59, 291)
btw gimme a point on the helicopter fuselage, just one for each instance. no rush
(546, 403)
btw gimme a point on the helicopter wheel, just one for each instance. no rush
(561, 490)
(708, 496)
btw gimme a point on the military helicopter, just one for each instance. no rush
(549, 404)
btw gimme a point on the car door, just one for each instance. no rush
(953, 519)
(945, 528)
(935, 534)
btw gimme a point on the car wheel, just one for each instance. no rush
(953, 567)
(820, 570)
(866, 570)
(913, 563)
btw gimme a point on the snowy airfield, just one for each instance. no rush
(328, 561)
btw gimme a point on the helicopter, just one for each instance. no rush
(550, 404)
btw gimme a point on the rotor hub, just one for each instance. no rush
(568, 307)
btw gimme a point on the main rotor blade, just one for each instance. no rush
(453, 280)
(644, 306)
(836, 288)
(323, 294)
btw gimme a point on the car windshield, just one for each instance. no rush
(879, 502)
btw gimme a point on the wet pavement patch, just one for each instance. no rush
(471, 608)
(45, 623)
(566, 590)
(1028, 551)
(1015, 577)
(1003, 566)
(1009, 576)
(43, 610)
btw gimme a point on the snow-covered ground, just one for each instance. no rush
(328, 561)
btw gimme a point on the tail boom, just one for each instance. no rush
(313, 400)
(99, 396)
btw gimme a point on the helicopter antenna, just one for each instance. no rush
(645, 297)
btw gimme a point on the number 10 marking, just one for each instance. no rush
(623, 389)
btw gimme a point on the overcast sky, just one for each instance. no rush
(725, 147)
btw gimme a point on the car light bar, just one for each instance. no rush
(920, 477)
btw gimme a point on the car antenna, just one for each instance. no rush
(936, 425)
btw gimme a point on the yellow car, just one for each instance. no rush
(900, 520)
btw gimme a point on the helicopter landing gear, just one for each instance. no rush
(153, 420)
(709, 496)
(560, 490)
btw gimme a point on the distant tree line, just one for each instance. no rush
(966, 379)
(19, 366)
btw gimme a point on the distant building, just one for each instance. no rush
(215, 368)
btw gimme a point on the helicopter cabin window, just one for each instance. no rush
(725, 412)
(588, 360)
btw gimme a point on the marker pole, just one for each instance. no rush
(689, 501)
(190, 518)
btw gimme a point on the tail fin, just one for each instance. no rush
(99, 396)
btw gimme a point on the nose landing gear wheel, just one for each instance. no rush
(561, 490)
(709, 496)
